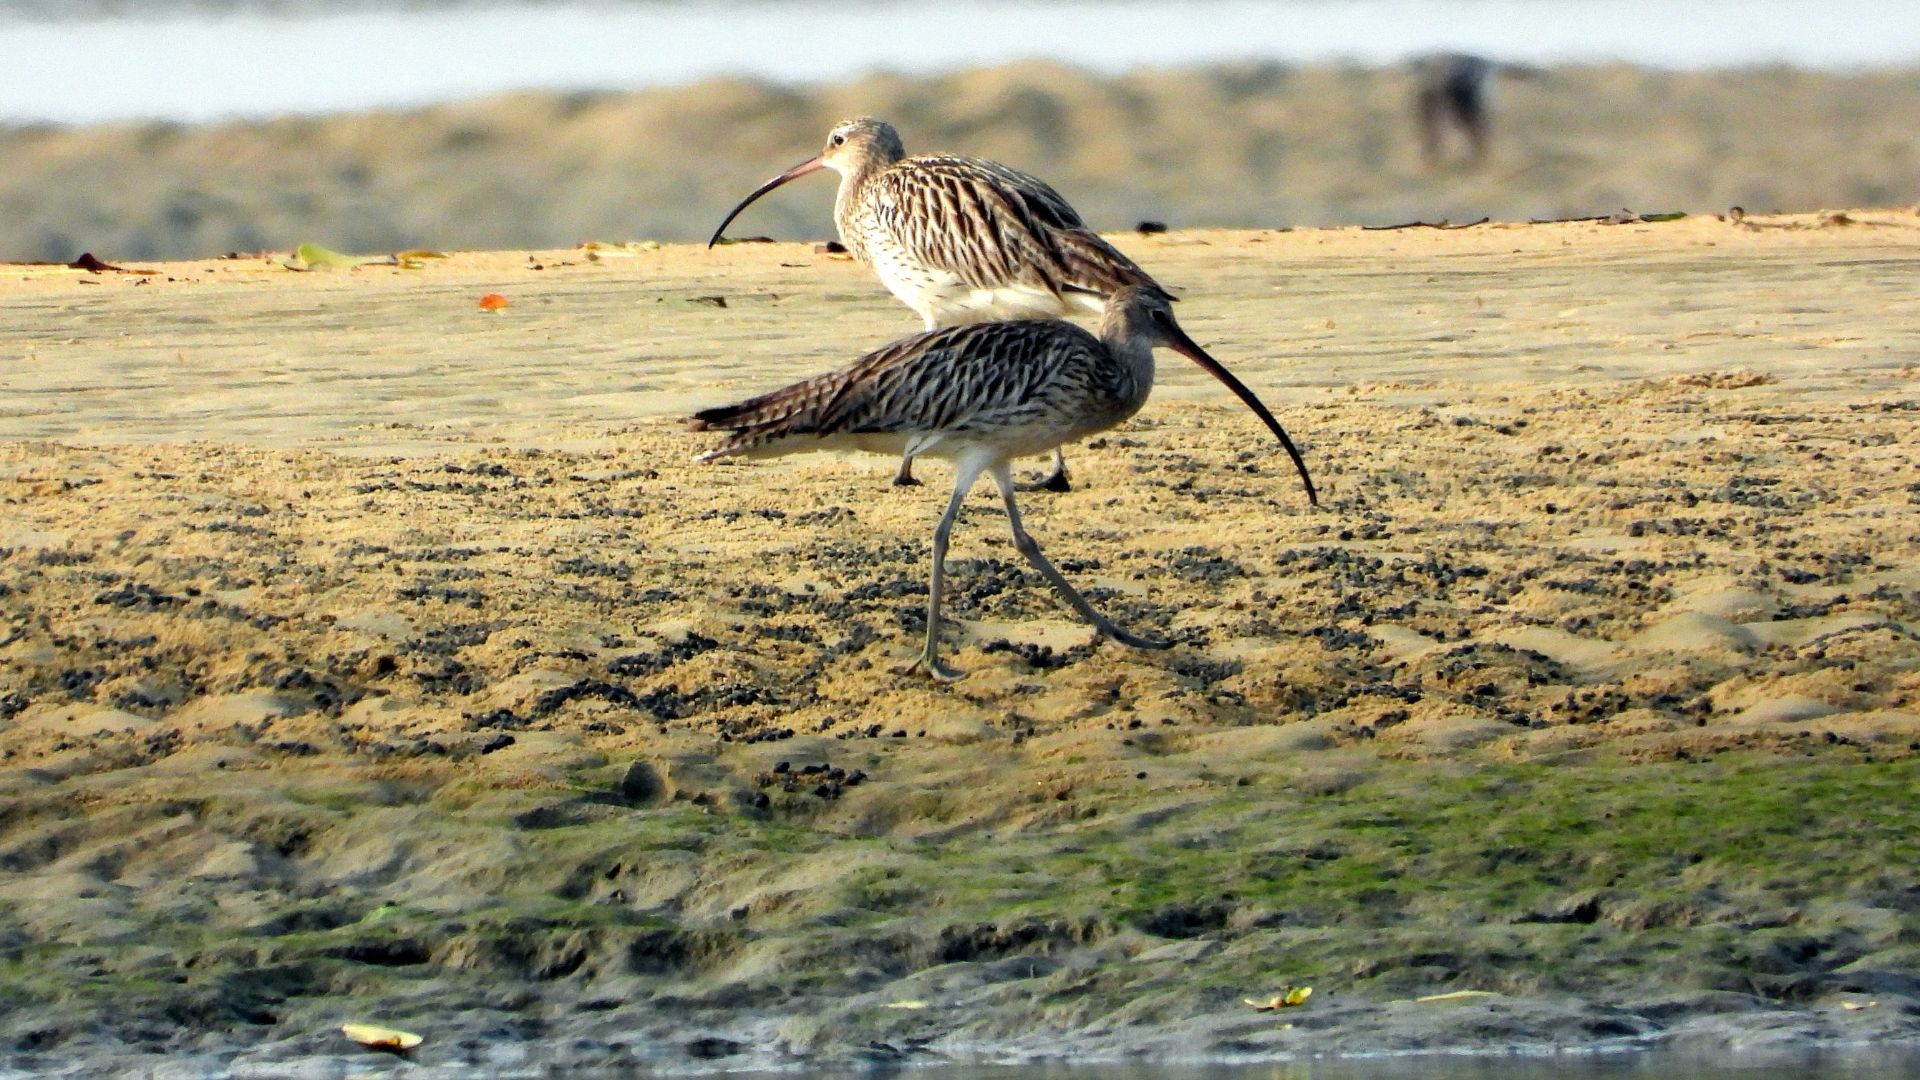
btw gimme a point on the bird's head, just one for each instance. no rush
(1145, 314)
(852, 146)
(861, 142)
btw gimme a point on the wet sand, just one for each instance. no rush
(368, 655)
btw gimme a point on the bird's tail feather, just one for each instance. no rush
(756, 423)
(1094, 265)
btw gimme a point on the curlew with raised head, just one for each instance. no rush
(961, 240)
(981, 395)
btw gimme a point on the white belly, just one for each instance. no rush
(942, 299)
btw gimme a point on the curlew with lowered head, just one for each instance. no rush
(981, 395)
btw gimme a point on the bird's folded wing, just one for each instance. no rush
(963, 378)
(992, 226)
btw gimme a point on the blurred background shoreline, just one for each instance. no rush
(91, 61)
(195, 127)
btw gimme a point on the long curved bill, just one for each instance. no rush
(812, 164)
(1184, 345)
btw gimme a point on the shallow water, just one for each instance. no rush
(189, 63)
(1848, 1064)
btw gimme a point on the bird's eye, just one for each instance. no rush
(839, 140)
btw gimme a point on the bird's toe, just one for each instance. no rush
(1135, 640)
(932, 667)
(1057, 483)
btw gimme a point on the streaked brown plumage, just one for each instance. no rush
(981, 395)
(961, 240)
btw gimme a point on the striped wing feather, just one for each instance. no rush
(993, 226)
(963, 379)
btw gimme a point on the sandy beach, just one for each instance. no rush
(368, 655)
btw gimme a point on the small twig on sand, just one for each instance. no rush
(1441, 224)
(1618, 217)
(1831, 219)
(89, 262)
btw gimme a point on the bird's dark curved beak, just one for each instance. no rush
(812, 164)
(1182, 344)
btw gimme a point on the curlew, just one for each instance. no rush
(1453, 90)
(981, 395)
(960, 240)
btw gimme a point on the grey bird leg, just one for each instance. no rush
(1003, 476)
(965, 473)
(904, 478)
(1055, 481)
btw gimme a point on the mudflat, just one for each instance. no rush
(371, 656)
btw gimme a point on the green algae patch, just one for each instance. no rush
(1782, 881)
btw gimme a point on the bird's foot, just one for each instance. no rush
(905, 480)
(1058, 482)
(930, 665)
(1134, 640)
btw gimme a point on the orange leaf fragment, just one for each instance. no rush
(493, 301)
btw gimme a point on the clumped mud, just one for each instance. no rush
(1601, 699)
